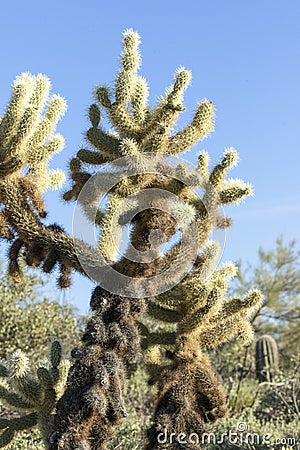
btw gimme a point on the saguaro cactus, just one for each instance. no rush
(147, 188)
(266, 358)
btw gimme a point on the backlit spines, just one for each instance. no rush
(28, 141)
(139, 99)
(230, 159)
(233, 191)
(27, 125)
(202, 124)
(139, 128)
(111, 231)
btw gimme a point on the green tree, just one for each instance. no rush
(135, 168)
(277, 275)
(29, 320)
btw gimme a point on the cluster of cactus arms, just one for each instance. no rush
(266, 358)
(192, 314)
(36, 394)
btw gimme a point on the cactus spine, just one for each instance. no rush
(266, 358)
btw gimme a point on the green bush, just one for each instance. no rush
(29, 320)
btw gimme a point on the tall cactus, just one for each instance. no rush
(156, 197)
(266, 358)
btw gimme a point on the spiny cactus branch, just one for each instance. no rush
(35, 393)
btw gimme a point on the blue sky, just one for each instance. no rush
(244, 56)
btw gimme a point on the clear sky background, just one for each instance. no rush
(244, 56)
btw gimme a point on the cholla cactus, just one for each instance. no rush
(27, 142)
(36, 394)
(132, 158)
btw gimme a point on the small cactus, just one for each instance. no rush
(266, 358)
(34, 393)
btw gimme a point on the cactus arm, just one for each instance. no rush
(35, 392)
(202, 124)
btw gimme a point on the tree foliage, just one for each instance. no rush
(277, 275)
(29, 319)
